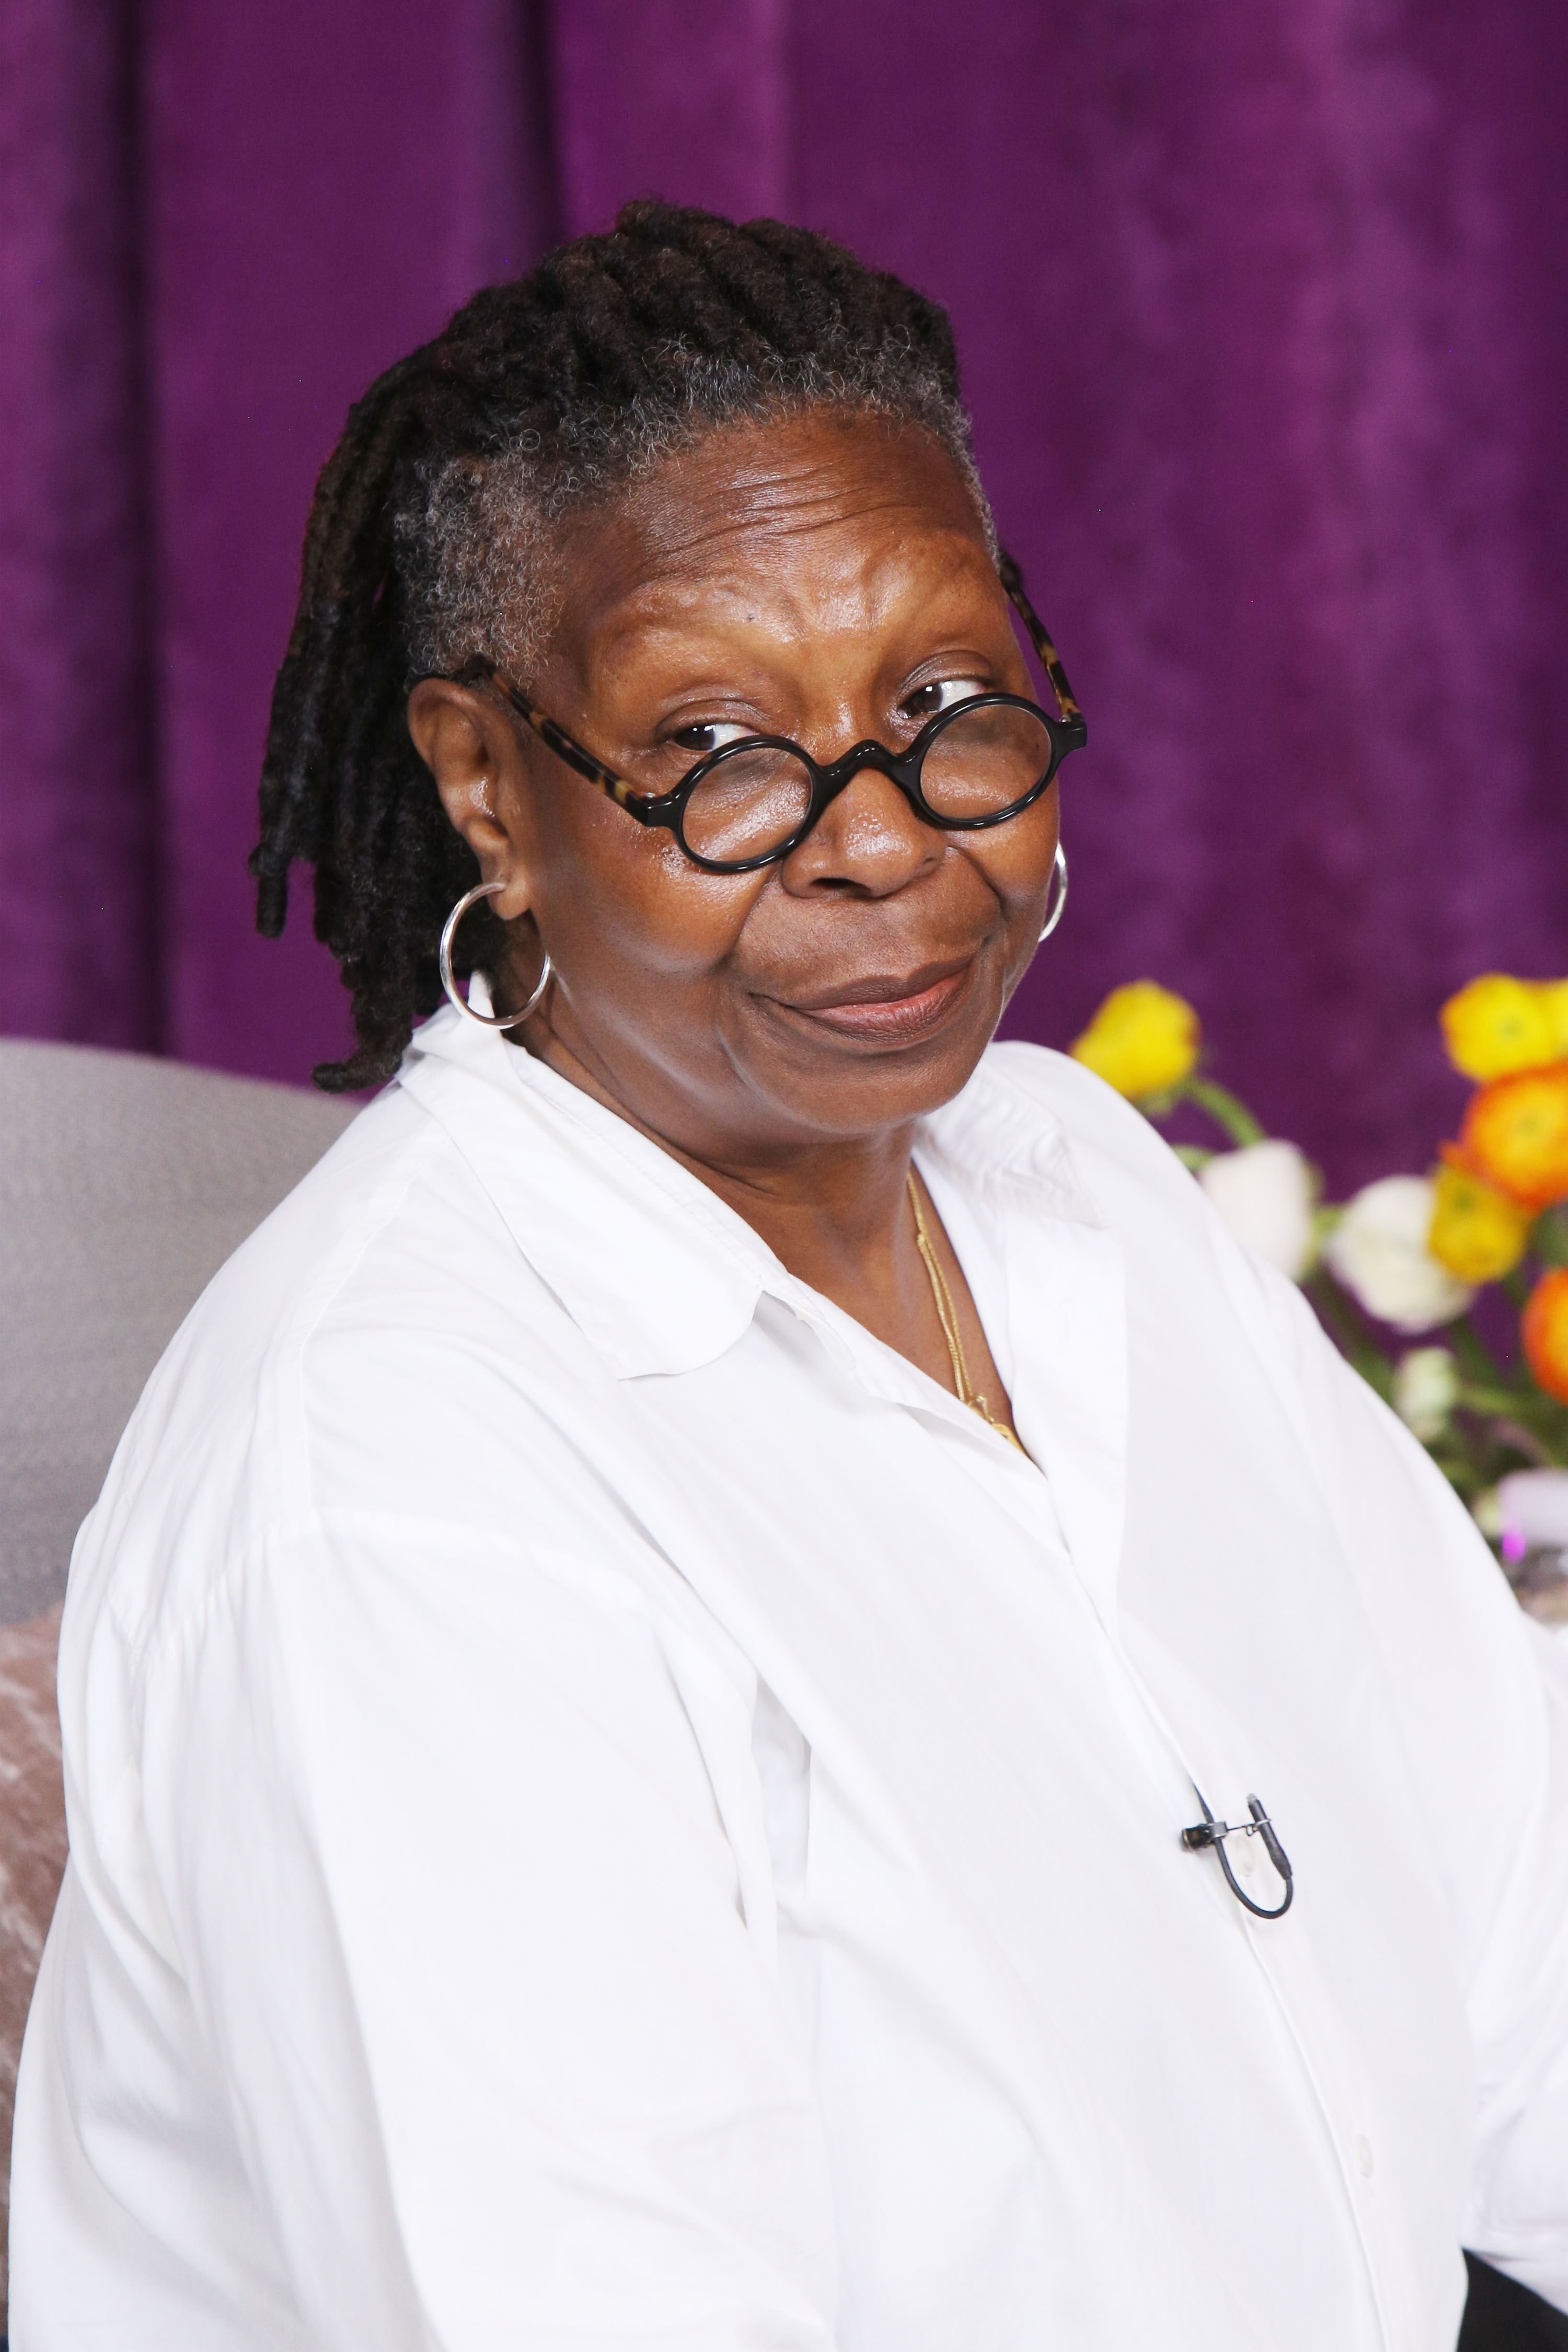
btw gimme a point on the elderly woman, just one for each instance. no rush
(742, 1685)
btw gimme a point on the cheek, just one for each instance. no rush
(617, 901)
(1017, 860)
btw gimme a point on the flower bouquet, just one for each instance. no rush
(1476, 1250)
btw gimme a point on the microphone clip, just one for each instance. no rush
(1210, 1832)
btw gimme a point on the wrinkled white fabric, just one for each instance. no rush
(608, 1811)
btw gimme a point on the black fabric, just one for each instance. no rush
(1501, 2317)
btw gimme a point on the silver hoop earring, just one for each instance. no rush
(449, 932)
(1060, 875)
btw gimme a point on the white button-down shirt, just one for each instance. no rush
(608, 1811)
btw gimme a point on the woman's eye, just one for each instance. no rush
(941, 695)
(710, 736)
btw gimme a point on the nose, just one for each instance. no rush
(867, 843)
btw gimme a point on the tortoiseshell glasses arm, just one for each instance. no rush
(480, 671)
(1050, 660)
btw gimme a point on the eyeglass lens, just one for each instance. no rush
(985, 761)
(747, 804)
(982, 764)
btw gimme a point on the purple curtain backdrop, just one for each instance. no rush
(1264, 316)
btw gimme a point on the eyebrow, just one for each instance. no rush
(479, 670)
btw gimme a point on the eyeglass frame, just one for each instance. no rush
(1068, 733)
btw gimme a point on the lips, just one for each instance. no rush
(883, 1010)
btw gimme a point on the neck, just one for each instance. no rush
(834, 1211)
(837, 1214)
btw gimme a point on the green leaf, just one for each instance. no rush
(1550, 1238)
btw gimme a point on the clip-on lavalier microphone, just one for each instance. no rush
(1210, 1832)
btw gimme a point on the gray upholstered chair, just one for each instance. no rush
(124, 1184)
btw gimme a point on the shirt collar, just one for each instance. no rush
(657, 1272)
(1000, 1143)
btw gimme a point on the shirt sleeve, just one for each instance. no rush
(463, 1928)
(1482, 1694)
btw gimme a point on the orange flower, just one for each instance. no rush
(1544, 1330)
(1516, 1134)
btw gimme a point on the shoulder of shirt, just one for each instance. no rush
(1102, 1130)
(368, 1294)
(1179, 1252)
(1143, 1190)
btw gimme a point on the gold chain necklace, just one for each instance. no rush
(947, 1316)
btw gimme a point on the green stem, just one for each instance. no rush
(1516, 1414)
(1526, 1441)
(1485, 1400)
(1517, 1286)
(1347, 1311)
(1350, 1332)
(1224, 1108)
(1472, 1351)
(1550, 1239)
(1461, 1435)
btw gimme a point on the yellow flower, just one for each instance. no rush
(1477, 1231)
(1496, 1024)
(1554, 997)
(1141, 1040)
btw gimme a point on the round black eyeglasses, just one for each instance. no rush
(751, 802)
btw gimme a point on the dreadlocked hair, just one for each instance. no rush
(430, 535)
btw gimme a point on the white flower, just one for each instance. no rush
(1264, 1193)
(1378, 1250)
(1425, 1391)
(1533, 1511)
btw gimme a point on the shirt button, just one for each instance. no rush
(1364, 2156)
(1244, 1859)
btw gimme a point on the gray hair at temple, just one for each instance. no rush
(474, 544)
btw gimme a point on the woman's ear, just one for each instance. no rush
(469, 748)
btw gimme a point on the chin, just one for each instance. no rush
(854, 1088)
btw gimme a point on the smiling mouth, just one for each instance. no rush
(884, 1011)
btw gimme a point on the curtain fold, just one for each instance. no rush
(1263, 316)
(80, 917)
(683, 99)
(326, 180)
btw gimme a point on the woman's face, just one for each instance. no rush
(826, 579)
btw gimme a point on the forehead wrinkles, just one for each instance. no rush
(774, 553)
(757, 470)
(784, 502)
(715, 605)
(693, 519)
